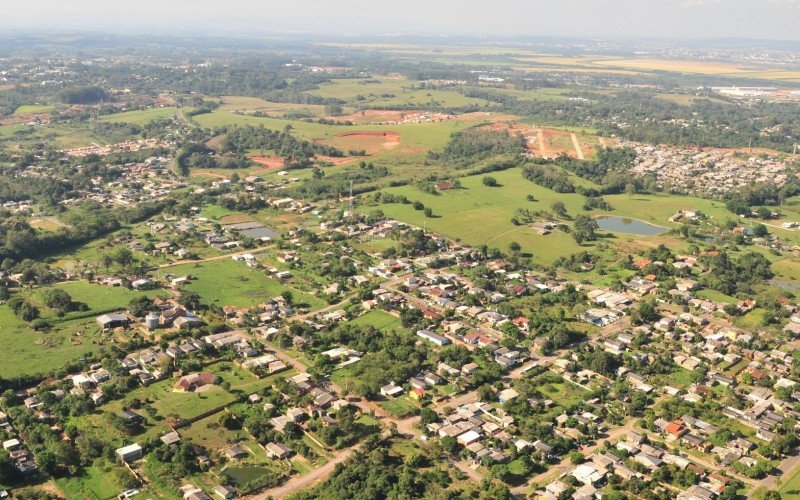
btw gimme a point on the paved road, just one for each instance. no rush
(787, 468)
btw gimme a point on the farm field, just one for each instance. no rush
(226, 282)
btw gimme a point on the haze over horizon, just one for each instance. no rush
(696, 19)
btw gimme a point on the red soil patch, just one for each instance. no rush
(268, 161)
(373, 142)
(235, 219)
(390, 139)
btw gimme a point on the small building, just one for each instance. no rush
(278, 450)
(129, 453)
(112, 320)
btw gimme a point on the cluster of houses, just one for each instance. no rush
(591, 476)
(15, 448)
(710, 173)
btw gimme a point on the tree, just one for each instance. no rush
(189, 299)
(124, 257)
(428, 416)
(490, 181)
(760, 231)
(449, 444)
(514, 246)
(645, 312)
(559, 208)
(585, 228)
(428, 212)
(140, 306)
(4, 293)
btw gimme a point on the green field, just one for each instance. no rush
(140, 116)
(226, 282)
(477, 214)
(29, 352)
(94, 483)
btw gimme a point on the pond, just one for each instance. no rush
(627, 225)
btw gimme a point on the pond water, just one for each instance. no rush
(627, 225)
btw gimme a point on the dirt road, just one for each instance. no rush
(577, 146)
(300, 482)
(540, 139)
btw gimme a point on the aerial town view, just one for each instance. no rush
(406, 250)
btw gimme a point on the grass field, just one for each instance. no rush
(401, 406)
(32, 108)
(244, 104)
(185, 405)
(477, 214)
(140, 116)
(226, 282)
(386, 91)
(209, 433)
(381, 320)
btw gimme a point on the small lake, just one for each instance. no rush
(627, 225)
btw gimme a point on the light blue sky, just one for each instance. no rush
(772, 19)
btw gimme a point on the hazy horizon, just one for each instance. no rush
(694, 19)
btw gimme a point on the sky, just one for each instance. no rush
(696, 19)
